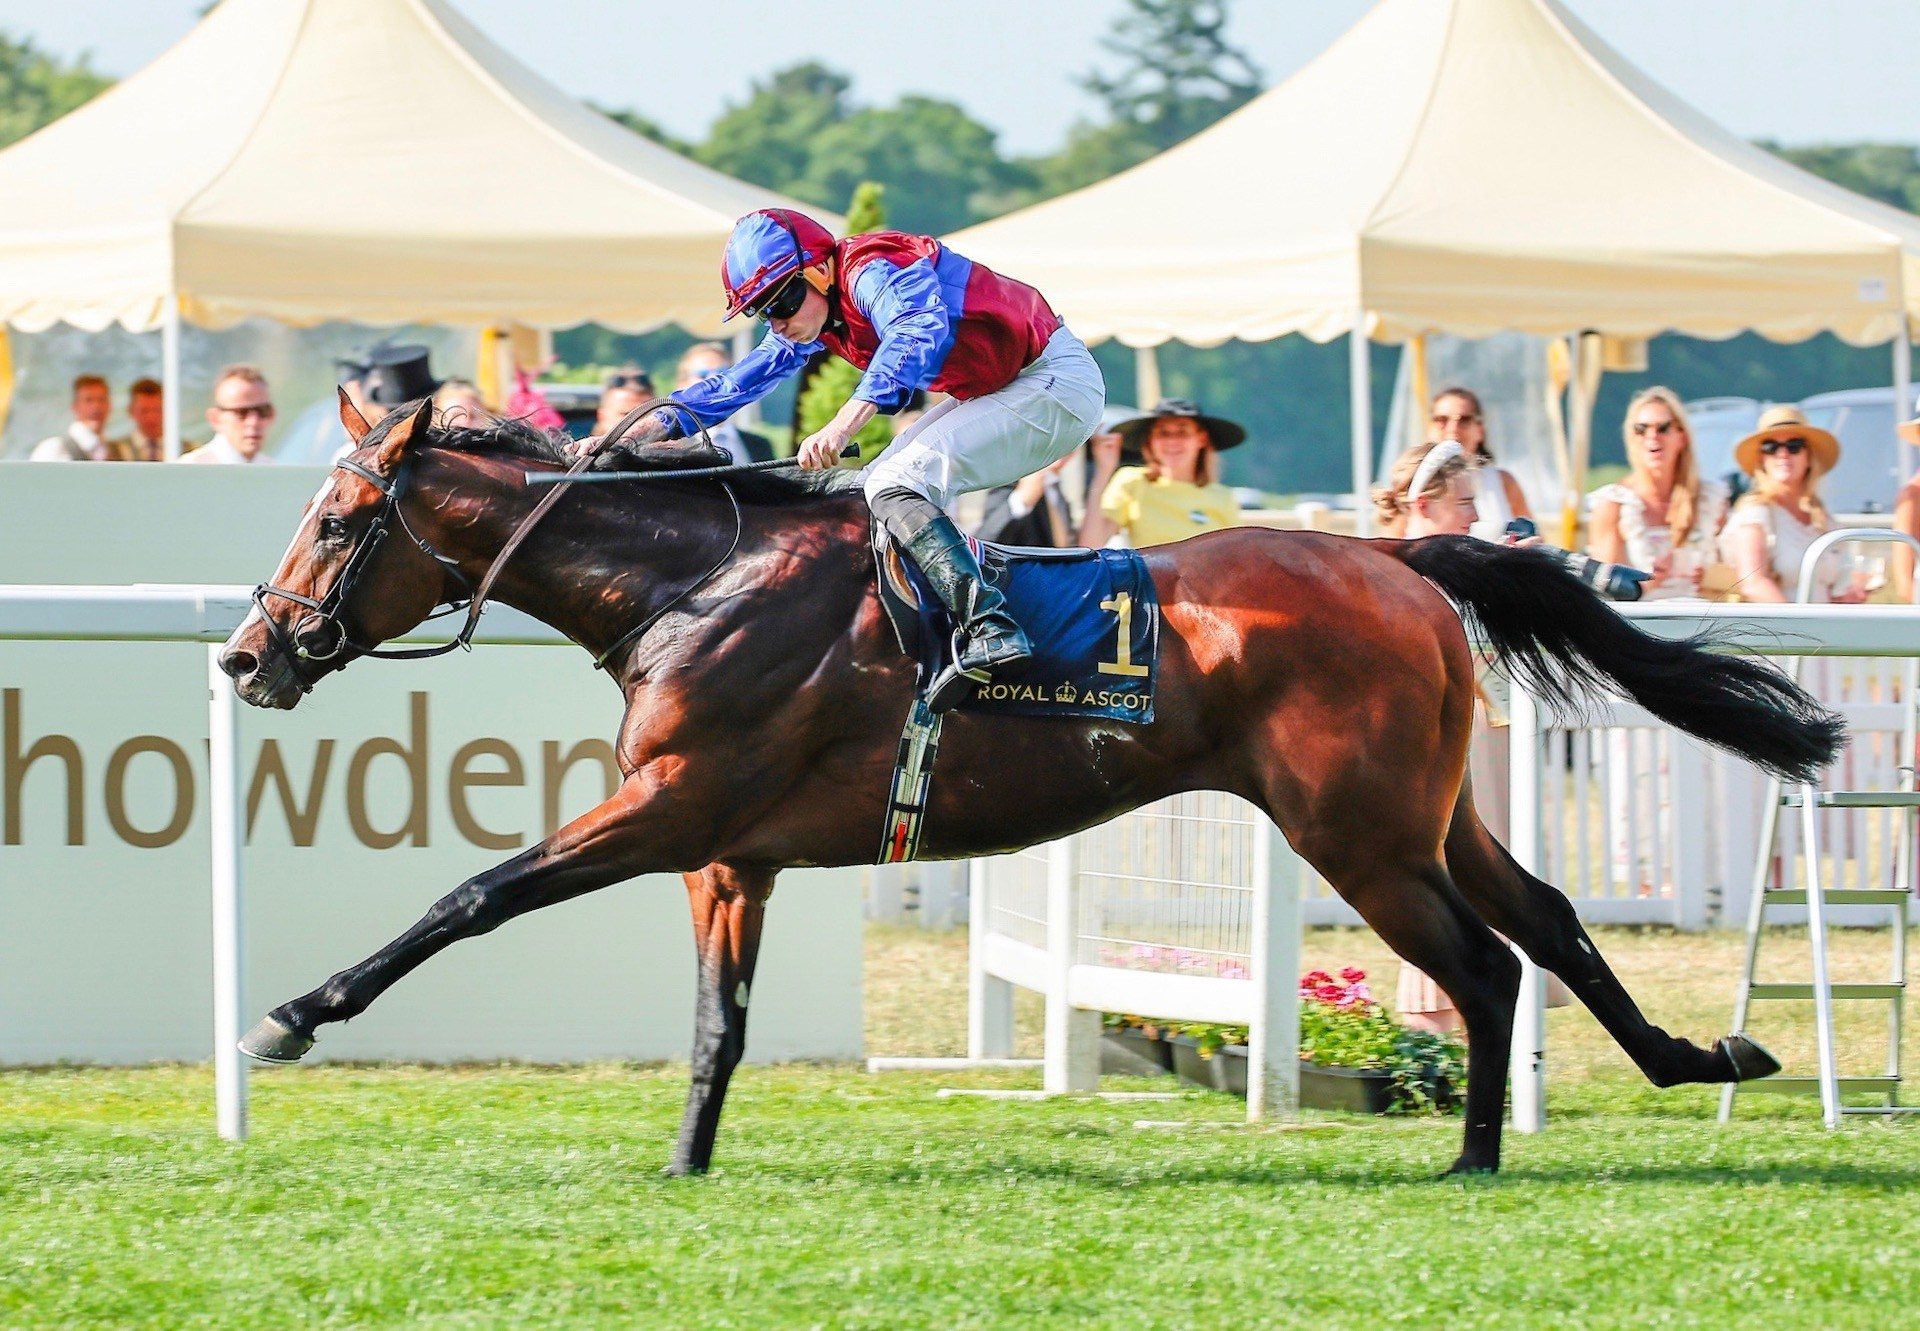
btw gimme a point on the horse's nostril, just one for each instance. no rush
(238, 663)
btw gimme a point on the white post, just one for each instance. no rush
(1902, 374)
(225, 819)
(989, 998)
(1360, 407)
(1690, 811)
(1273, 1045)
(1073, 1037)
(1528, 1069)
(743, 341)
(1146, 377)
(170, 379)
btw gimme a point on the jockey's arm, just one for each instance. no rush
(711, 400)
(906, 309)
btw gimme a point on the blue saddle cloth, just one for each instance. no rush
(1094, 619)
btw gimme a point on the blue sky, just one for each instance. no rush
(1796, 70)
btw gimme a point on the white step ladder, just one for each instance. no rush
(1809, 799)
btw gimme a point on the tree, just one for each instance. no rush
(645, 128)
(929, 155)
(36, 89)
(830, 381)
(769, 138)
(1178, 74)
(1889, 172)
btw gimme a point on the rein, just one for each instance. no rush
(327, 609)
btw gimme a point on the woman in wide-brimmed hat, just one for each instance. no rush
(1177, 492)
(1770, 529)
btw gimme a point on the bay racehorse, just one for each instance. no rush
(1328, 680)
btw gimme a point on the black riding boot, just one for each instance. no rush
(988, 638)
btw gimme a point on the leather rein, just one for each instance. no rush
(327, 610)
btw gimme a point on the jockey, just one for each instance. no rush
(912, 314)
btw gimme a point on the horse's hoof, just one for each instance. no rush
(270, 1042)
(682, 1169)
(1465, 1168)
(1750, 1061)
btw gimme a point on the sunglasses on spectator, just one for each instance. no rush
(783, 303)
(1791, 447)
(1441, 418)
(1655, 427)
(639, 381)
(264, 411)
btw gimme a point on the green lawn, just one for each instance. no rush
(503, 1196)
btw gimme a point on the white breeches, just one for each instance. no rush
(1051, 408)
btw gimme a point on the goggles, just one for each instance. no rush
(783, 302)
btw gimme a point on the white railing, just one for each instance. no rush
(206, 614)
(1185, 908)
(1637, 823)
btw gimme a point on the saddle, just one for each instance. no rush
(1092, 615)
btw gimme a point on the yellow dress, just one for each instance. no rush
(1156, 512)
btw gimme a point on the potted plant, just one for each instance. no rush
(1133, 1046)
(1354, 1055)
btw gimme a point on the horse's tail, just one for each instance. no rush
(1564, 642)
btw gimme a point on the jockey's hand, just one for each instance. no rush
(823, 448)
(579, 448)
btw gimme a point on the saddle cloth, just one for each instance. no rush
(1093, 617)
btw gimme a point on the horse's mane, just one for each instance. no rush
(497, 436)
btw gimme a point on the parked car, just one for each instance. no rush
(1871, 468)
(1718, 424)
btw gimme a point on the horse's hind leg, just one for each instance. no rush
(1542, 922)
(601, 847)
(1414, 907)
(729, 905)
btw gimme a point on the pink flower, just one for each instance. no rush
(1314, 979)
(1353, 975)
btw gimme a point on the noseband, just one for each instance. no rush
(327, 610)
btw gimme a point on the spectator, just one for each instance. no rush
(395, 376)
(703, 360)
(1030, 512)
(1663, 517)
(1177, 493)
(241, 413)
(82, 441)
(620, 392)
(1770, 529)
(1457, 414)
(1906, 517)
(457, 402)
(1429, 492)
(147, 409)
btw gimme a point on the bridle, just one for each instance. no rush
(327, 611)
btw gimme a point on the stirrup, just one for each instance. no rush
(954, 684)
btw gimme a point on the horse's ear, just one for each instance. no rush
(407, 432)
(350, 417)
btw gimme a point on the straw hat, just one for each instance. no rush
(1787, 423)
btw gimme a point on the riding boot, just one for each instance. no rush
(988, 638)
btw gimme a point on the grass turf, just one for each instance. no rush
(501, 1196)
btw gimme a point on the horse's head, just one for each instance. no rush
(344, 586)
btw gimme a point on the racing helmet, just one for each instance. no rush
(766, 248)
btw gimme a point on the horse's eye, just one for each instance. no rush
(333, 529)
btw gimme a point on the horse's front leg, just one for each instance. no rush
(729, 905)
(613, 842)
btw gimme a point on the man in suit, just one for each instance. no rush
(241, 414)
(704, 360)
(1032, 511)
(146, 408)
(82, 440)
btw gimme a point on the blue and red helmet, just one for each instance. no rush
(765, 249)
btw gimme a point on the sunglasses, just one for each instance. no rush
(1655, 427)
(264, 412)
(784, 302)
(639, 381)
(1441, 418)
(1791, 447)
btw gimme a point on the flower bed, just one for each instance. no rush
(1354, 1054)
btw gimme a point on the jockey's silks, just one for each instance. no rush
(912, 314)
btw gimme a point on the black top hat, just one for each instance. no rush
(1221, 432)
(398, 375)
